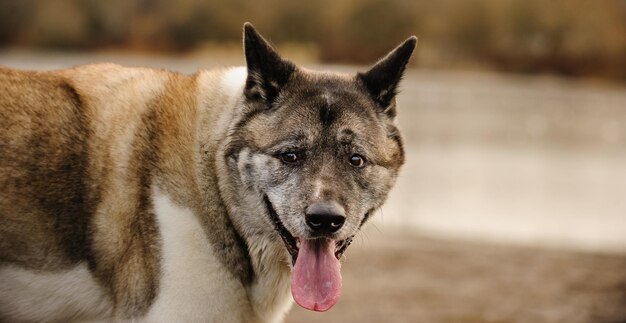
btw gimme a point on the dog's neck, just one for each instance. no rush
(264, 269)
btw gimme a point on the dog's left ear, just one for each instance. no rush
(382, 79)
(267, 71)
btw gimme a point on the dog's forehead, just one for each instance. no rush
(328, 100)
(318, 109)
(329, 113)
(324, 87)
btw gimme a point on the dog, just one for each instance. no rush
(137, 194)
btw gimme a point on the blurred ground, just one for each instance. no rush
(405, 278)
(510, 208)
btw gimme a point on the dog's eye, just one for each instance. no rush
(289, 157)
(357, 160)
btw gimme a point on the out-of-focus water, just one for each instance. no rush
(532, 160)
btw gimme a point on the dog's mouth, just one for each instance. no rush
(293, 243)
(316, 277)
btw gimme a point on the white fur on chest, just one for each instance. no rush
(194, 285)
(65, 295)
(270, 293)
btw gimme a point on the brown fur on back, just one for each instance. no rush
(43, 163)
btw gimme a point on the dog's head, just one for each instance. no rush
(318, 152)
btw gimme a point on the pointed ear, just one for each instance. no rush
(267, 71)
(382, 79)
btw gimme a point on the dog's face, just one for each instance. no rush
(319, 152)
(324, 144)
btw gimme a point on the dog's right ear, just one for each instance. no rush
(267, 71)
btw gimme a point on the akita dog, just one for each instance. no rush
(136, 194)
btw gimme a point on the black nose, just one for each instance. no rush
(325, 217)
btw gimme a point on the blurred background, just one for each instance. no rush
(512, 204)
(565, 37)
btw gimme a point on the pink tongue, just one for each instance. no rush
(316, 279)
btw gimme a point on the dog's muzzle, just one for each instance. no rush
(291, 242)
